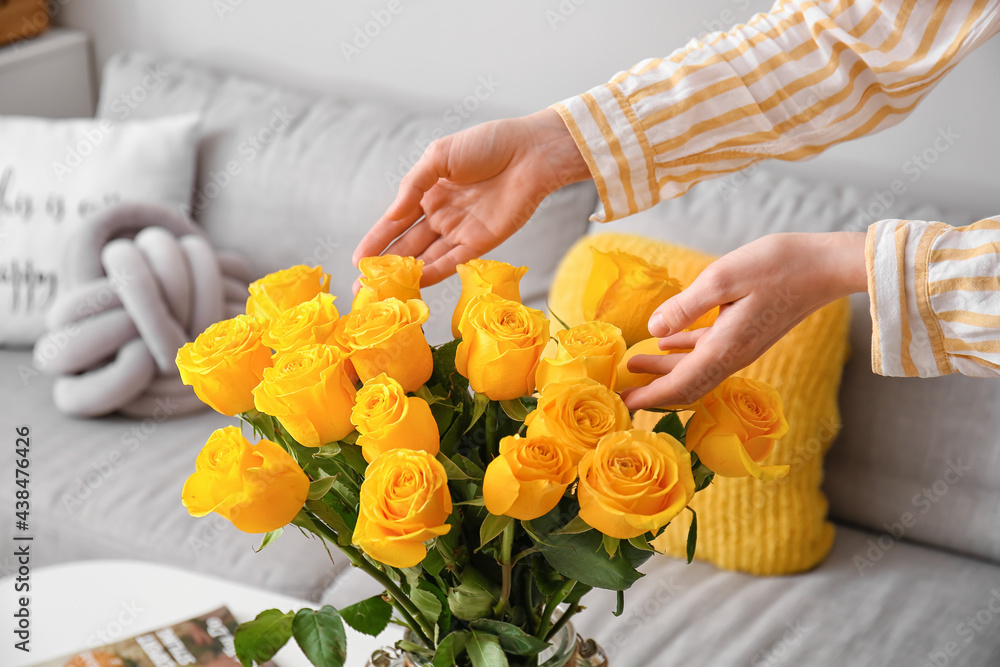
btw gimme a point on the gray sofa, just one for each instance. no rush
(913, 479)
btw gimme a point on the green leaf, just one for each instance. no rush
(474, 598)
(484, 650)
(269, 538)
(331, 518)
(479, 405)
(692, 536)
(620, 606)
(426, 601)
(426, 394)
(413, 648)
(574, 527)
(452, 469)
(610, 545)
(580, 556)
(475, 502)
(258, 640)
(453, 434)
(328, 451)
(671, 425)
(468, 466)
(515, 409)
(353, 457)
(433, 563)
(513, 639)
(266, 425)
(492, 526)
(369, 617)
(641, 542)
(703, 476)
(445, 374)
(450, 648)
(321, 636)
(319, 487)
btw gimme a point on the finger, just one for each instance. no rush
(682, 341)
(414, 241)
(658, 364)
(431, 167)
(442, 267)
(696, 375)
(681, 311)
(435, 251)
(385, 231)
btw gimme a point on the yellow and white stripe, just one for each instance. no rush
(787, 85)
(935, 293)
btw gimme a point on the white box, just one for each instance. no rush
(49, 76)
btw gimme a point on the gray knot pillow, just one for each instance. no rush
(145, 281)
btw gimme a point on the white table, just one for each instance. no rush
(71, 603)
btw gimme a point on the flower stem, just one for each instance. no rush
(506, 546)
(403, 605)
(563, 620)
(550, 607)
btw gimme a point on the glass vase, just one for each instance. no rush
(567, 650)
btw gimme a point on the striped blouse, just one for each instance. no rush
(787, 85)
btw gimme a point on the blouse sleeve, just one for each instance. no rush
(935, 298)
(787, 85)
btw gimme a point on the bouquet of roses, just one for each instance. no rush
(488, 484)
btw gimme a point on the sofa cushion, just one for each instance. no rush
(902, 438)
(55, 176)
(911, 605)
(111, 488)
(765, 528)
(858, 608)
(288, 177)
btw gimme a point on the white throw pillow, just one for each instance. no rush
(54, 175)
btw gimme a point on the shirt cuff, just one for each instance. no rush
(906, 336)
(613, 143)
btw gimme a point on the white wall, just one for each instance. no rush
(439, 50)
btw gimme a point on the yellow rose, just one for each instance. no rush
(388, 276)
(310, 322)
(528, 478)
(404, 502)
(386, 419)
(625, 290)
(486, 276)
(309, 392)
(502, 343)
(259, 487)
(634, 482)
(578, 413)
(734, 428)
(589, 350)
(627, 378)
(385, 337)
(277, 292)
(225, 363)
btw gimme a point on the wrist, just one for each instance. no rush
(555, 144)
(850, 259)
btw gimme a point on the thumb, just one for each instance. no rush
(679, 312)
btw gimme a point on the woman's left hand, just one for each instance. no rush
(763, 289)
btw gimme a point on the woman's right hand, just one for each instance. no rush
(472, 190)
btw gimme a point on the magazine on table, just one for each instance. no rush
(205, 641)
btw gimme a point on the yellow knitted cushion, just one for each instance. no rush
(764, 528)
